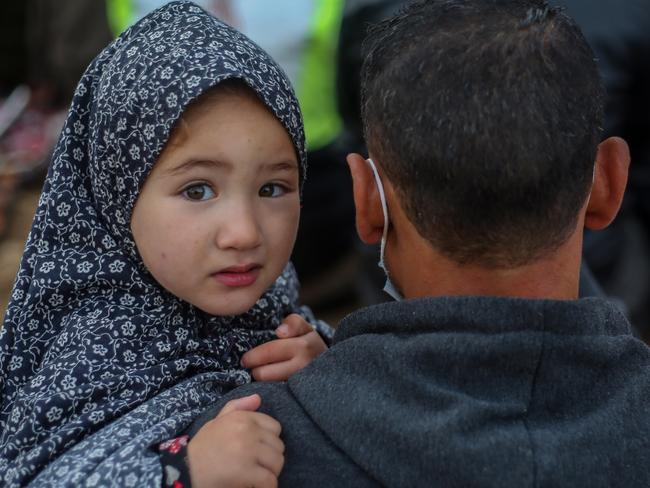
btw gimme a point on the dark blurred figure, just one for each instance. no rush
(45, 45)
(13, 67)
(62, 37)
(357, 17)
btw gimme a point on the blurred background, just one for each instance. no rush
(45, 46)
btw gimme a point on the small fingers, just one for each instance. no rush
(271, 456)
(316, 344)
(287, 357)
(271, 352)
(261, 477)
(268, 423)
(241, 423)
(239, 448)
(272, 440)
(249, 403)
(293, 326)
(280, 371)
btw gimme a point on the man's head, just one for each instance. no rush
(485, 115)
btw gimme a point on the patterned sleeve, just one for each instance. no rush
(173, 458)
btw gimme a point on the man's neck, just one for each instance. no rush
(540, 280)
(422, 271)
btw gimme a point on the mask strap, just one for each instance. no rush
(384, 206)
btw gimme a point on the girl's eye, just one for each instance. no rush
(198, 192)
(272, 190)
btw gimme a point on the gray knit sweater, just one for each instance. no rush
(469, 391)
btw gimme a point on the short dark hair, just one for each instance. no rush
(486, 116)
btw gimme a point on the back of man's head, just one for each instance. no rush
(485, 115)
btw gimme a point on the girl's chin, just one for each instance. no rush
(227, 309)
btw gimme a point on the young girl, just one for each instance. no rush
(158, 255)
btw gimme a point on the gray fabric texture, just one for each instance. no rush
(469, 391)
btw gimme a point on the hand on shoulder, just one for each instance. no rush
(298, 344)
(238, 448)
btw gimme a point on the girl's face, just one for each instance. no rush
(217, 217)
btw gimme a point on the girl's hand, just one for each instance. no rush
(238, 448)
(297, 346)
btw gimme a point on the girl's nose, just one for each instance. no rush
(239, 229)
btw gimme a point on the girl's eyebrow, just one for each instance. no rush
(288, 165)
(194, 163)
(184, 167)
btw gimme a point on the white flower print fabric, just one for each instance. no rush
(97, 361)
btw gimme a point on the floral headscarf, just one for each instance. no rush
(97, 361)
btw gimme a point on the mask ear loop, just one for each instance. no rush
(593, 180)
(593, 174)
(384, 208)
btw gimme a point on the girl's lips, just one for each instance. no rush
(238, 276)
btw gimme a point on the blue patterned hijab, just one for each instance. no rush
(97, 361)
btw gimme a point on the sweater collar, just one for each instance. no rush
(486, 314)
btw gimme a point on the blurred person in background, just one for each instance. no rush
(45, 45)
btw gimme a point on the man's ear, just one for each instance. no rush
(610, 178)
(369, 215)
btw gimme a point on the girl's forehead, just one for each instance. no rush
(232, 129)
(220, 108)
(222, 97)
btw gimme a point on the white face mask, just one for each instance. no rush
(389, 287)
